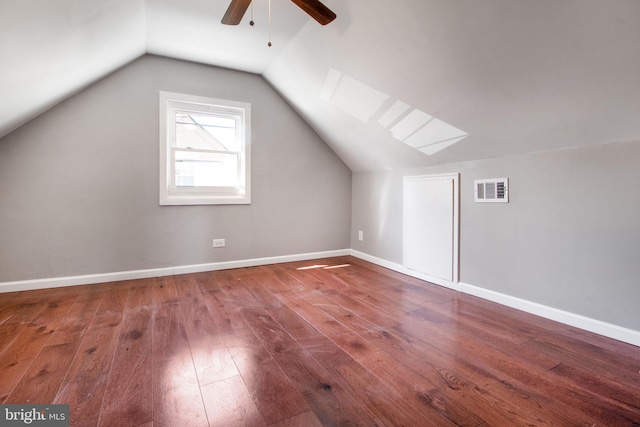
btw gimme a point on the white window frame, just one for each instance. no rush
(170, 194)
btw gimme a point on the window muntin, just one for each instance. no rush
(205, 150)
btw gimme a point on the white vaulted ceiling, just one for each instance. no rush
(387, 84)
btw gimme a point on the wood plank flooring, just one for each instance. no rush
(335, 341)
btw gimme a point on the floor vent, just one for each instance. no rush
(492, 190)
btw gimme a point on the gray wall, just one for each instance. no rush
(79, 184)
(568, 239)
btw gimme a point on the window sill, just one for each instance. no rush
(203, 200)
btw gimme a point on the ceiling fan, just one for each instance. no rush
(314, 8)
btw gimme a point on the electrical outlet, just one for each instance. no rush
(360, 235)
(218, 243)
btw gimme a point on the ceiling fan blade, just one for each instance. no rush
(235, 12)
(316, 10)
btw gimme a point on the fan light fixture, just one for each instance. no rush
(313, 8)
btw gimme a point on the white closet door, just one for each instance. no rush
(429, 225)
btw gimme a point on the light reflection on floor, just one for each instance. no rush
(323, 266)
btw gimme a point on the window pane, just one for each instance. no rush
(206, 131)
(205, 152)
(195, 169)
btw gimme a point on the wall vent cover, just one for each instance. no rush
(492, 190)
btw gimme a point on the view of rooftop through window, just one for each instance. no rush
(206, 150)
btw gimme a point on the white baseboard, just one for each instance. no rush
(58, 282)
(588, 324)
(404, 270)
(592, 325)
(609, 330)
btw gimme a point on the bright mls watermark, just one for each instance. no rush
(34, 415)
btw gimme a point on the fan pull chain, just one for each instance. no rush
(269, 44)
(251, 22)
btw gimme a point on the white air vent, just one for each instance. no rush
(492, 190)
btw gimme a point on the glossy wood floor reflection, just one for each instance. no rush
(330, 342)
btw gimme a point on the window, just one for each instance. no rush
(205, 150)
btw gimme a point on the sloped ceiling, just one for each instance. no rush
(50, 49)
(387, 85)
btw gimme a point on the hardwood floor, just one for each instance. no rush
(326, 342)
